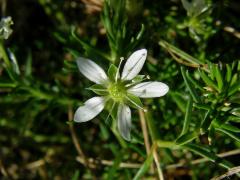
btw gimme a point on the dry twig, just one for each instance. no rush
(157, 162)
(74, 137)
(230, 172)
(3, 170)
(93, 163)
(145, 135)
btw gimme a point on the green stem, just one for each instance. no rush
(119, 138)
(38, 94)
(154, 133)
(167, 144)
(8, 85)
(4, 55)
(45, 96)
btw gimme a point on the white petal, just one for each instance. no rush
(149, 89)
(134, 64)
(89, 110)
(91, 70)
(124, 121)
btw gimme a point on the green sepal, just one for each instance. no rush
(112, 108)
(112, 71)
(186, 138)
(99, 89)
(134, 101)
(138, 78)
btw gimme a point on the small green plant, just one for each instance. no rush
(198, 12)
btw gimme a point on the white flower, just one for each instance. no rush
(5, 29)
(122, 90)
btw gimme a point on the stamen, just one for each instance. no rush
(147, 77)
(118, 69)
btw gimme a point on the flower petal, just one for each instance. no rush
(149, 89)
(124, 121)
(90, 109)
(91, 70)
(134, 64)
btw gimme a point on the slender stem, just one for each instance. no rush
(74, 136)
(39, 94)
(3, 170)
(202, 160)
(4, 55)
(157, 162)
(156, 143)
(36, 164)
(4, 6)
(94, 163)
(8, 85)
(166, 144)
(47, 96)
(145, 131)
(76, 141)
(145, 135)
(119, 138)
(229, 173)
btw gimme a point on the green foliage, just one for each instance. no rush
(145, 167)
(112, 72)
(114, 18)
(198, 12)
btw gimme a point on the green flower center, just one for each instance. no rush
(117, 91)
